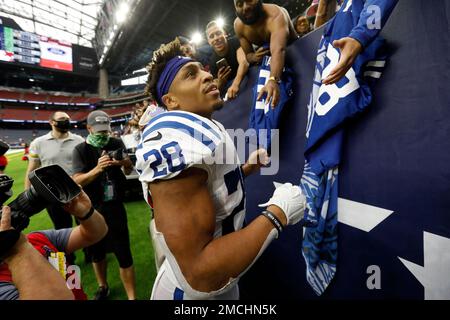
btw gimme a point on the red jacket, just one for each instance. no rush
(3, 161)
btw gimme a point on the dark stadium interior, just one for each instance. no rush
(162, 20)
(29, 93)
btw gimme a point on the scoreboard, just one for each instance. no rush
(29, 48)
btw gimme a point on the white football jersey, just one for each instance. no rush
(175, 141)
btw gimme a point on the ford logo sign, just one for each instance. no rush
(56, 51)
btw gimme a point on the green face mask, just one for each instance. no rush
(98, 140)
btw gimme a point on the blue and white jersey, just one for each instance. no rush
(262, 116)
(175, 141)
(329, 108)
(331, 105)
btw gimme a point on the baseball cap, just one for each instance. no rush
(311, 11)
(99, 121)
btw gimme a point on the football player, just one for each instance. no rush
(193, 180)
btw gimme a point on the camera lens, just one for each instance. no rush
(50, 185)
(27, 204)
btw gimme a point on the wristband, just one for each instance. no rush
(8, 240)
(277, 81)
(88, 215)
(274, 220)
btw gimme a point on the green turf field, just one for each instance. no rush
(138, 221)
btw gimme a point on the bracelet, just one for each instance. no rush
(278, 81)
(272, 218)
(88, 215)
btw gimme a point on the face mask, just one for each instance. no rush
(63, 125)
(98, 140)
(258, 12)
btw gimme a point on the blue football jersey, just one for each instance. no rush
(262, 116)
(175, 141)
(329, 107)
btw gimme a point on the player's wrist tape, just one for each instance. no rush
(8, 240)
(87, 215)
(274, 220)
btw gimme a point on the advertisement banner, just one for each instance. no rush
(56, 54)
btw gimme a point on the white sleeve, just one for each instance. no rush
(165, 151)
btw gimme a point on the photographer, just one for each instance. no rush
(97, 165)
(54, 148)
(24, 274)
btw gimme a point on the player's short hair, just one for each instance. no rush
(160, 58)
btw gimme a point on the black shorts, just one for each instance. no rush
(117, 240)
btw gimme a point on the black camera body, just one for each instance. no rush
(3, 148)
(116, 154)
(50, 185)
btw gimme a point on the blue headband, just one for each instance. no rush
(170, 71)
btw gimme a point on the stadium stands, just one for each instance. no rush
(16, 136)
(24, 114)
(21, 105)
(9, 95)
(12, 95)
(123, 90)
(33, 97)
(27, 114)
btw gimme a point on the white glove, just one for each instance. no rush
(291, 200)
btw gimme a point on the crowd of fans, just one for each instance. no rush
(98, 163)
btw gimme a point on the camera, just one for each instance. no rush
(222, 63)
(116, 154)
(3, 148)
(50, 185)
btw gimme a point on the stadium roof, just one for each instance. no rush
(148, 24)
(159, 21)
(70, 20)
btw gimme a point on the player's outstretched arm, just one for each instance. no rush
(185, 215)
